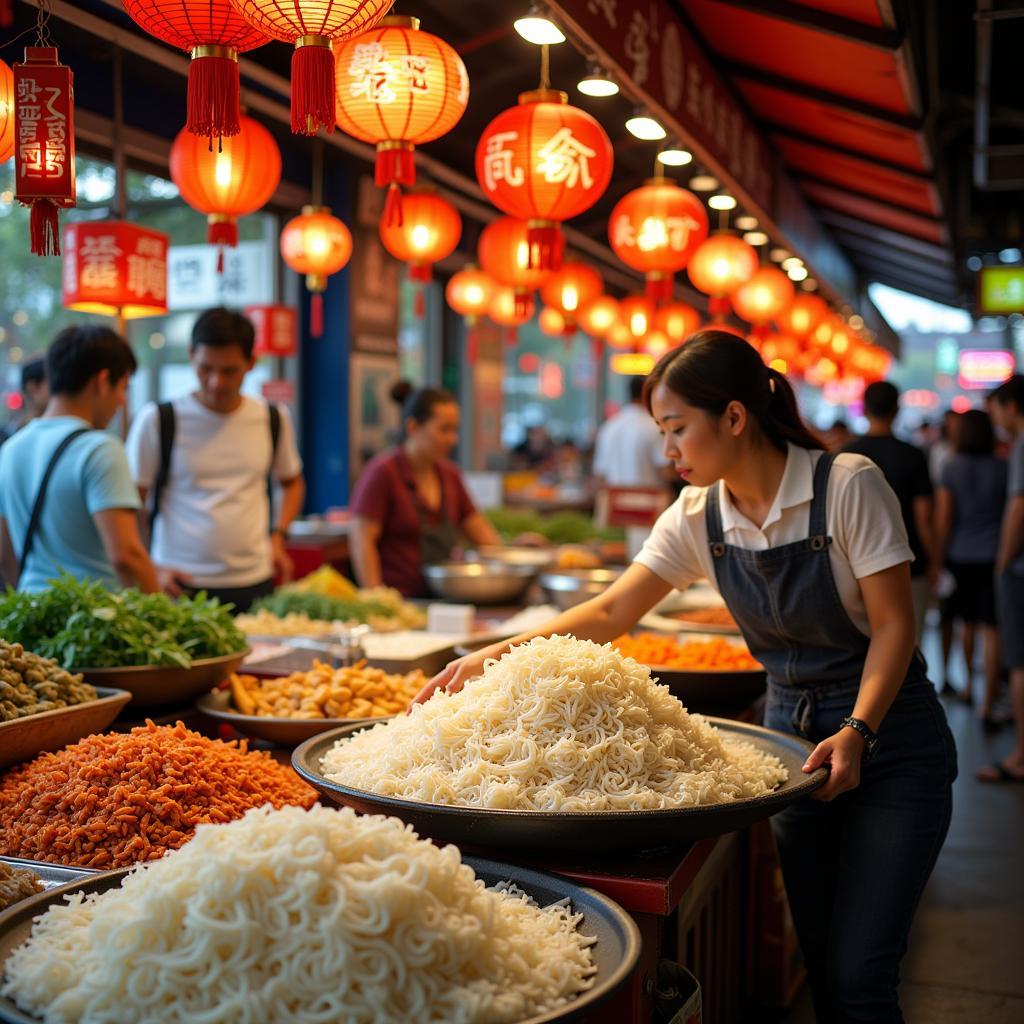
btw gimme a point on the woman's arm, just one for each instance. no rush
(479, 531)
(362, 542)
(601, 619)
(890, 609)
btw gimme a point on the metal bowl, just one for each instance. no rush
(566, 588)
(535, 558)
(615, 952)
(166, 685)
(479, 582)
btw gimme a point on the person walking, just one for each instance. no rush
(969, 510)
(67, 501)
(206, 465)
(35, 396)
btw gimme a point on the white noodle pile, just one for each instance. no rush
(557, 724)
(301, 916)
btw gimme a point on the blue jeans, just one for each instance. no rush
(855, 867)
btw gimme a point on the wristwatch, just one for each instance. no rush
(871, 740)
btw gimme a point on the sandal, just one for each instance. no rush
(999, 773)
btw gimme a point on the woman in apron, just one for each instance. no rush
(410, 507)
(810, 554)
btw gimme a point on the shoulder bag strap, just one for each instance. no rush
(37, 507)
(168, 427)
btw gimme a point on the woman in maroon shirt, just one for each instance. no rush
(410, 505)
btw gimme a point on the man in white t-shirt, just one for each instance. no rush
(202, 464)
(628, 453)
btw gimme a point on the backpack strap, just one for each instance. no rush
(37, 506)
(275, 437)
(168, 426)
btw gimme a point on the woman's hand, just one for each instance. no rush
(455, 676)
(842, 752)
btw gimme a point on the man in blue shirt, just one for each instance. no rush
(67, 501)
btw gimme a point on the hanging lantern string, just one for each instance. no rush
(41, 27)
(723, 220)
(545, 66)
(318, 172)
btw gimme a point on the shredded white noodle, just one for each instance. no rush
(301, 916)
(556, 724)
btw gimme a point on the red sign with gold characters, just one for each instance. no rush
(277, 330)
(44, 142)
(115, 268)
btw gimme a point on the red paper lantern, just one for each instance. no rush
(6, 113)
(597, 318)
(570, 289)
(229, 182)
(470, 292)
(544, 161)
(506, 312)
(656, 343)
(655, 229)
(620, 337)
(763, 298)
(803, 315)
(398, 87)
(430, 230)
(214, 34)
(312, 26)
(114, 268)
(316, 244)
(637, 314)
(552, 323)
(677, 320)
(504, 252)
(720, 264)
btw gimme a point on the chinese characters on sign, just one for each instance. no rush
(562, 160)
(654, 232)
(376, 78)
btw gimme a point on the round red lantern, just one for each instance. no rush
(6, 113)
(720, 264)
(470, 291)
(570, 289)
(620, 337)
(214, 33)
(597, 318)
(656, 229)
(656, 343)
(398, 87)
(636, 312)
(312, 26)
(677, 320)
(428, 232)
(803, 315)
(506, 312)
(544, 161)
(552, 323)
(762, 298)
(316, 244)
(504, 252)
(229, 182)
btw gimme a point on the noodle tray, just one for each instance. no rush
(22, 738)
(153, 686)
(616, 951)
(493, 828)
(285, 732)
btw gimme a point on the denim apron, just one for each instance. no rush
(854, 867)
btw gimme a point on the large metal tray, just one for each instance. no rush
(51, 875)
(23, 738)
(615, 953)
(161, 685)
(609, 830)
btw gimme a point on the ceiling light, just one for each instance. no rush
(675, 156)
(642, 126)
(597, 82)
(777, 255)
(722, 201)
(792, 261)
(809, 285)
(755, 237)
(746, 223)
(538, 29)
(703, 183)
(797, 273)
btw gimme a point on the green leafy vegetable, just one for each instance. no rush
(285, 601)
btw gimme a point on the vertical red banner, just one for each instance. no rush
(277, 330)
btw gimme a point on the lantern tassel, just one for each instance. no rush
(393, 207)
(473, 344)
(420, 272)
(659, 288)
(316, 315)
(395, 165)
(44, 229)
(595, 348)
(522, 303)
(718, 307)
(222, 232)
(545, 247)
(312, 87)
(213, 96)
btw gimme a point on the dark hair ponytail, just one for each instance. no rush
(715, 368)
(419, 404)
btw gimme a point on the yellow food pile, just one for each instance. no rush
(324, 692)
(329, 582)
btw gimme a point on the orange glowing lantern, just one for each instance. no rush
(227, 182)
(677, 320)
(802, 317)
(656, 229)
(316, 244)
(620, 337)
(398, 87)
(656, 343)
(570, 289)
(469, 292)
(779, 347)
(544, 161)
(507, 313)
(598, 317)
(504, 252)
(721, 264)
(554, 324)
(312, 26)
(637, 314)
(6, 112)
(762, 298)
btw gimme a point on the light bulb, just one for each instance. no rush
(792, 261)
(642, 126)
(703, 183)
(675, 156)
(537, 29)
(597, 82)
(746, 223)
(797, 273)
(722, 202)
(754, 237)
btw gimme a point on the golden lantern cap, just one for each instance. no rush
(399, 21)
(309, 209)
(544, 96)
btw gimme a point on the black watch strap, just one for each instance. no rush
(871, 741)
